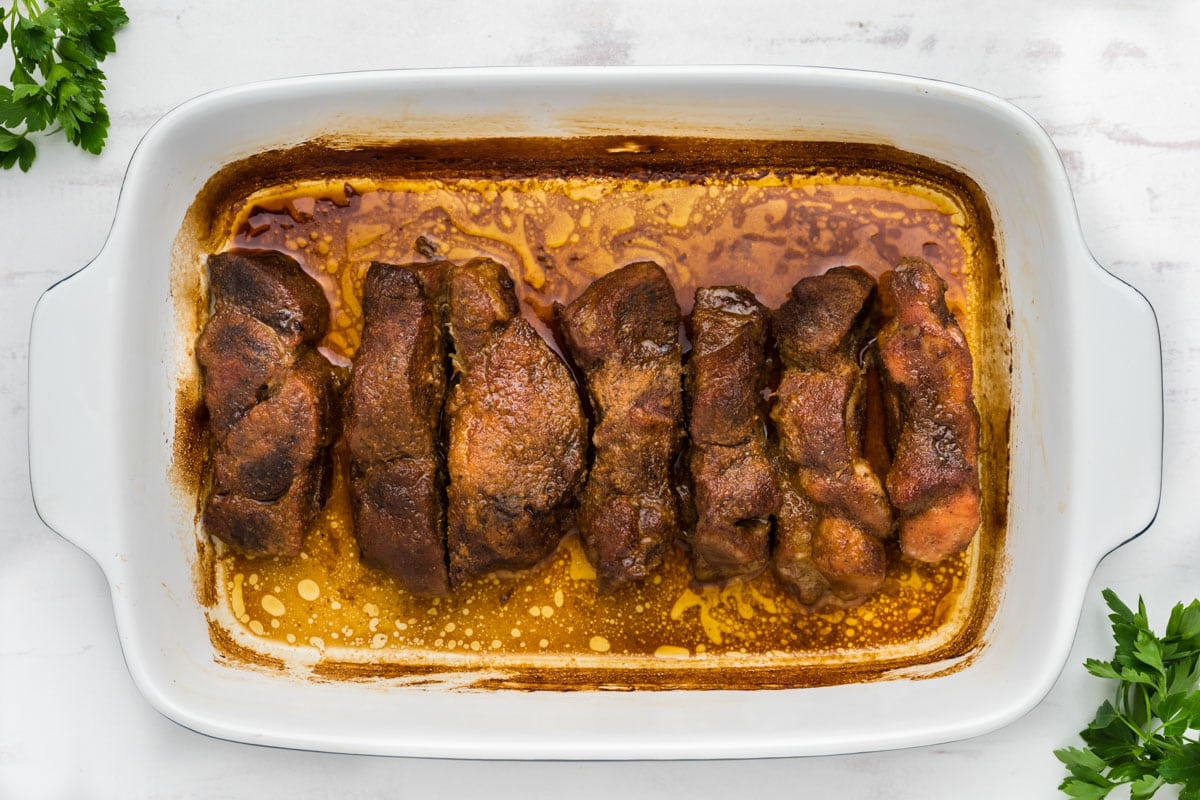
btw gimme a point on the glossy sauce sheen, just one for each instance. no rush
(556, 234)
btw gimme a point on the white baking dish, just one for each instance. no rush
(1086, 425)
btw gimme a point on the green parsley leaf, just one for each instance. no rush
(57, 47)
(1182, 767)
(31, 41)
(8, 140)
(1084, 765)
(1143, 736)
(26, 153)
(1073, 787)
(1145, 787)
(16, 150)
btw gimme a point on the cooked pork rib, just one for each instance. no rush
(517, 432)
(734, 483)
(834, 523)
(270, 399)
(933, 427)
(393, 405)
(623, 334)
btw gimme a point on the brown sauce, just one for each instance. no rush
(764, 228)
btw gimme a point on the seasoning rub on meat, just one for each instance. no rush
(623, 334)
(517, 434)
(830, 533)
(734, 482)
(393, 405)
(933, 427)
(270, 398)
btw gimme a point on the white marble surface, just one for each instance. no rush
(1117, 85)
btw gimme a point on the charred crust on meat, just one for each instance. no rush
(272, 288)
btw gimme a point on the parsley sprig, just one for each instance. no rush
(1141, 736)
(56, 79)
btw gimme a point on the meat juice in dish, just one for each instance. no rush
(556, 231)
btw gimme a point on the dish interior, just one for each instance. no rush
(559, 213)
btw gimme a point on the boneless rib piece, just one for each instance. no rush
(623, 334)
(392, 409)
(734, 482)
(270, 399)
(933, 427)
(835, 511)
(517, 432)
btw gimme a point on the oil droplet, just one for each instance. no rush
(558, 229)
(272, 605)
(308, 589)
(547, 611)
(378, 641)
(256, 626)
(599, 644)
(317, 642)
(371, 610)
(558, 598)
(236, 599)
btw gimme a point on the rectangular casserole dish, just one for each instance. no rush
(1086, 428)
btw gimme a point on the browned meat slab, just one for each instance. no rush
(933, 427)
(623, 333)
(393, 405)
(733, 482)
(835, 510)
(517, 432)
(270, 399)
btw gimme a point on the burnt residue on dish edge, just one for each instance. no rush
(222, 206)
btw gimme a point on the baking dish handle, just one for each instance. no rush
(72, 420)
(1120, 433)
